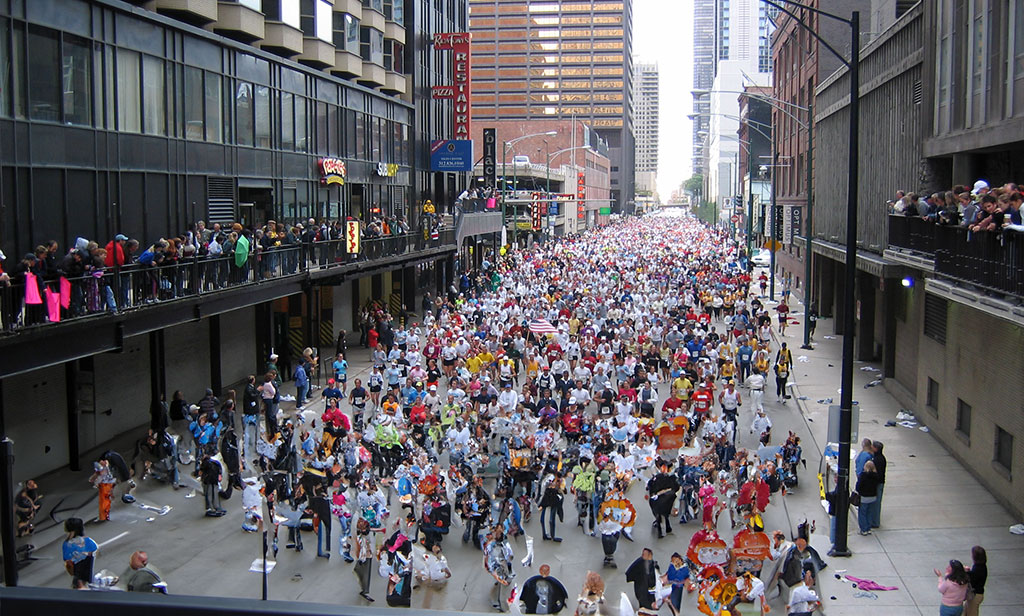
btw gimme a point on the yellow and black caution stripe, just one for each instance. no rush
(326, 332)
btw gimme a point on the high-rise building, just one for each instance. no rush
(703, 75)
(742, 35)
(645, 116)
(645, 126)
(555, 59)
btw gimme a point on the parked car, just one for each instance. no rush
(762, 258)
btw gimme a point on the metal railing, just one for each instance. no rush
(135, 286)
(991, 260)
(912, 233)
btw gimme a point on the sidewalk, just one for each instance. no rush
(933, 509)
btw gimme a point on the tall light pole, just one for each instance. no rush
(842, 502)
(506, 145)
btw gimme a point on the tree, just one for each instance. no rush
(695, 184)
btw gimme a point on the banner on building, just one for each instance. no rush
(459, 44)
(787, 224)
(352, 237)
(490, 157)
(536, 212)
(797, 221)
(451, 155)
(581, 195)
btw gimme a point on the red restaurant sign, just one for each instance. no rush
(459, 92)
(581, 195)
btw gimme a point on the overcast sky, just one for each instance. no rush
(663, 33)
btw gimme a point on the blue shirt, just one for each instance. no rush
(340, 368)
(678, 576)
(746, 352)
(301, 380)
(78, 549)
(861, 460)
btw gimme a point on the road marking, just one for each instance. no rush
(113, 539)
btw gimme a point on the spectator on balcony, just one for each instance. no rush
(115, 251)
(1013, 201)
(968, 209)
(980, 189)
(911, 207)
(990, 217)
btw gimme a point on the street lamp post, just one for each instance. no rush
(842, 502)
(506, 145)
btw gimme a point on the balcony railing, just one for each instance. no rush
(990, 260)
(136, 286)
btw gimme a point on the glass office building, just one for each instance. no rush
(116, 120)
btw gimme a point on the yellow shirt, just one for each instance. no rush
(574, 325)
(728, 369)
(473, 363)
(486, 357)
(532, 368)
(681, 387)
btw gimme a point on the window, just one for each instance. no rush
(301, 132)
(371, 45)
(5, 70)
(377, 5)
(262, 117)
(316, 20)
(963, 418)
(255, 5)
(154, 95)
(346, 33)
(194, 97)
(129, 91)
(935, 313)
(360, 152)
(932, 396)
(394, 56)
(287, 121)
(284, 11)
(77, 80)
(18, 75)
(214, 106)
(44, 85)
(1004, 450)
(243, 114)
(394, 10)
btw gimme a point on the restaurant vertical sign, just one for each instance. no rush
(459, 91)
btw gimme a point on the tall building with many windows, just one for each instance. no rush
(703, 76)
(645, 116)
(556, 59)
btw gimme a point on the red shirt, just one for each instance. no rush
(418, 414)
(702, 400)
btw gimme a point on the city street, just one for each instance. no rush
(933, 511)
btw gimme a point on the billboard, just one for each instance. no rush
(451, 155)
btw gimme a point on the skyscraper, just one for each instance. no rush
(556, 59)
(703, 74)
(645, 116)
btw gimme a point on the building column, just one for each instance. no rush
(216, 375)
(865, 349)
(409, 289)
(890, 288)
(74, 414)
(157, 369)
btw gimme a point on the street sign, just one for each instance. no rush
(735, 218)
(490, 157)
(451, 155)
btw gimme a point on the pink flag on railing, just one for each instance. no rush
(53, 305)
(65, 292)
(32, 290)
(492, 203)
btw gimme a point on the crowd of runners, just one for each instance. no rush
(532, 389)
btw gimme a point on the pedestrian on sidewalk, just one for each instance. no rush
(953, 585)
(867, 488)
(103, 480)
(78, 551)
(783, 364)
(268, 392)
(867, 452)
(210, 474)
(643, 574)
(543, 594)
(978, 574)
(364, 557)
(301, 385)
(880, 462)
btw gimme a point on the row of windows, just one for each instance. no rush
(546, 84)
(58, 77)
(481, 98)
(551, 72)
(507, 59)
(1002, 449)
(586, 44)
(524, 22)
(553, 33)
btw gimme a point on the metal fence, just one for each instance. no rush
(136, 286)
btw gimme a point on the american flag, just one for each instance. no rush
(540, 326)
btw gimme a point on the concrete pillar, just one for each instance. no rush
(377, 287)
(216, 375)
(74, 414)
(157, 371)
(409, 289)
(3, 424)
(966, 169)
(865, 349)
(890, 288)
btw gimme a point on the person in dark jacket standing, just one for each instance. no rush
(543, 594)
(210, 474)
(643, 573)
(867, 487)
(978, 574)
(250, 418)
(661, 494)
(159, 415)
(880, 462)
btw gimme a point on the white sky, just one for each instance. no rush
(663, 33)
